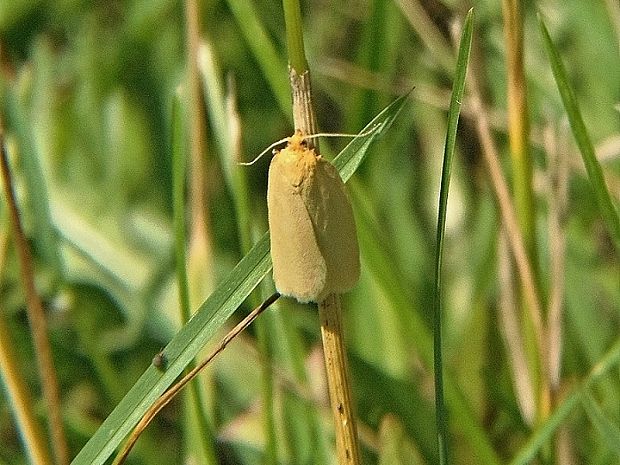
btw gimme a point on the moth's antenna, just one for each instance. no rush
(259, 156)
(310, 136)
(339, 134)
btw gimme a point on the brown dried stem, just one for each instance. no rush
(36, 317)
(338, 380)
(167, 396)
(510, 223)
(18, 395)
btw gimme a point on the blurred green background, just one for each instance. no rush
(86, 90)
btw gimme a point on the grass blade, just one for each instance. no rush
(593, 168)
(264, 51)
(211, 315)
(544, 433)
(608, 430)
(354, 153)
(43, 231)
(178, 201)
(453, 121)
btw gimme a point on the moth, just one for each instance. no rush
(314, 245)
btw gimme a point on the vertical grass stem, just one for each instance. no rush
(36, 317)
(338, 380)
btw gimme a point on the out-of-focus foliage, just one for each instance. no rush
(85, 99)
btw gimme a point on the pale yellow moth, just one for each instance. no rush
(313, 238)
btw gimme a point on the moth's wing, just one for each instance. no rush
(299, 269)
(334, 224)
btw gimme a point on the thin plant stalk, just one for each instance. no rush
(453, 119)
(197, 120)
(36, 317)
(195, 401)
(330, 316)
(557, 194)
(167, 396)
(508, 214)
(330, 308)
(558, 202)
(18, 395)
(518, 139)
(294, 36)
(518, 125)
(511, 329)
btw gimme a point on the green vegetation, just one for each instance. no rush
(96, 112)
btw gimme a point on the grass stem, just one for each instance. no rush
(518, 125)
(294, 36)
(36, 317)
(18, 395)
(179, 170)
(338, 380)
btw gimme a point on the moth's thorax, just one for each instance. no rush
(297, 162)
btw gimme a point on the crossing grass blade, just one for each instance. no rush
(593, 168)
(211, 316)
(545, 431)
(609, 431)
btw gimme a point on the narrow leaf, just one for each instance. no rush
(593, 168)
(544, 433)
(264, 50)
(458, 89)
(608, 430)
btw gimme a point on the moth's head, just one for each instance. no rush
(297, 141)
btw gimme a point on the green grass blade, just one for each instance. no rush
(544, 433)
(593, 168)
(354, 153)
(608, 430)
(272, 65)
(209, 318)
(197, 415)
(453, 121)
(43, 230)
(178, 202)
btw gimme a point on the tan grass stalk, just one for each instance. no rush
(200, 254)
(510, 223)
(36, 317)
(558, 200)
(338, 380)
(330, 308)
(17, 391)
